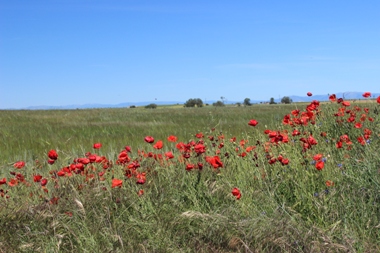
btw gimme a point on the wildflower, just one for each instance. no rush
(149, 139)
(253, 122)
(97, 146)
(329, 183)
(13, 182)
(172, 138)
(236, 192)
(214, 161)
(37, 178)
(332, 97)
(309, 94)
(19, 164)
(141, 178)
(158, 145)
(169, 155)
(3, 181)
(116, 183)
(199, 135)
(317, 157)
(319, 165)
(366, 94)
(52, 154)
(189, 166)
(378, 100)
(199, 148)
(43, 182)
(285, 161)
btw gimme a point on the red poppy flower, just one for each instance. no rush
(329, 183)
(378, 99)
(116, 183)
(37, 178)
(358, 125)
(253, 122)
(339, 144)
(361, 140)
(149, 139)
(214, 161)
(285, 161)
(172, 138)
(189, 166)
(236, 192)
(295, 132)
(97, 146)
(332, 97)
(141, 178)
(43, 182)
(13, 182)
(317, 157)
(309, 94)
(366, 94)
(3, 181)
(19, 164)
(169, 155)
(51, 161)
(199, 148)
(53, 154)
(346, 103)
(158, 145)
(319, 165)
(199, 135)
(140, 192)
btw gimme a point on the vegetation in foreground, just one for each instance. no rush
(241, 179)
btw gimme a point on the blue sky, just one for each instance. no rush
(64, 52)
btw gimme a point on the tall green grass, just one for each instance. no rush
(282, 209)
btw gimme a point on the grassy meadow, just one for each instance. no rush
(307, 182)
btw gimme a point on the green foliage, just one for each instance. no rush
(286, 100)
(247, 102)
(271, 101)
(192, 102)
(151, 106)
(218, 103)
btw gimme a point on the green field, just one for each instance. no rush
(300, 191)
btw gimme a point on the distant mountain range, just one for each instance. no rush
(345, 95)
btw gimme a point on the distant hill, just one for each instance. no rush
(95, 106)
(345, 95)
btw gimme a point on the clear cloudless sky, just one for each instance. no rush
(64, 52)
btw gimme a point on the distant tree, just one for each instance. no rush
(247, 102)
(132, 106)
(286, 100)
(192, 102)
(271, 101)
(218, 103)
(151, 106)
(238, 104)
